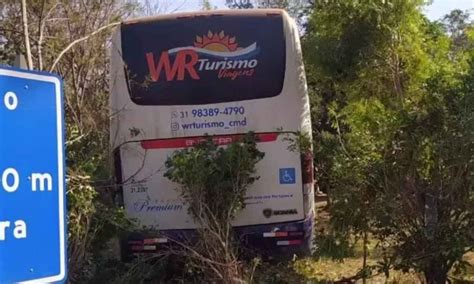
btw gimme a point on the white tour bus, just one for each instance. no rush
(176, 78)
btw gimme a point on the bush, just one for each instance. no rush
(214, 181)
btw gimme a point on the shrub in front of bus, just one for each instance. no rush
(213, 184)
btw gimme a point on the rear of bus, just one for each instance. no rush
(176, 78)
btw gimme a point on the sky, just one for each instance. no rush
(439, 8)
(435, 11)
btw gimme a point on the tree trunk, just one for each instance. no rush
(364, 263)
(26, 35)
(436, 273)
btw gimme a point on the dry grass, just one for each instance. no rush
(327, 271)
(469, 274)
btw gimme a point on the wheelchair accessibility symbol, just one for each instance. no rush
(287, 176)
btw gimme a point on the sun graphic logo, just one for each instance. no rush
(219, 42)
(220, 52)
(214, 51)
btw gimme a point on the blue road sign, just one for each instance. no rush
(32, 186)
(287, 176)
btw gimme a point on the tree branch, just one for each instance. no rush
(80, 40)
(41, 35)
(26, 35)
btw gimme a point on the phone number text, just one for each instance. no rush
(209, 112)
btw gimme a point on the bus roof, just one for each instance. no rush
(210, 13)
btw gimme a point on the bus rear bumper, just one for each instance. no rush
(278, 241)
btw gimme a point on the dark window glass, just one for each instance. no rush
(202, 60)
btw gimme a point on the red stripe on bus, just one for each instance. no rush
(295, 242)
(189, 142)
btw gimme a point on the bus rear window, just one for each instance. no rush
(204, 60)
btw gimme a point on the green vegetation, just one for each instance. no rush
(397, 136)
(393, 128)
(204, 172)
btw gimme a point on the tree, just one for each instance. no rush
(52, 27)
(206, 5)
(456, 24)
(296, 8)
(395, 137)
(239, 4)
